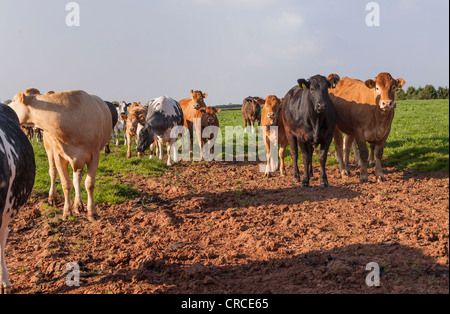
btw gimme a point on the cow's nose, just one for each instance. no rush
(197, 106)
(210, 120)
(271, 115)
(320, 107)
(387, 104)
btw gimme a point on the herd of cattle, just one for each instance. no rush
(310, 115)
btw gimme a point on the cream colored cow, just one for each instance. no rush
(76, 127)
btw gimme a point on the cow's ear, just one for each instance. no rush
(217, 110)
(304, 84)
(371, 84)
(192, 92)
(202, 110)
(124, 117)
(261, 101)
(400, 83)
(333, 81)
(22, 98)
(205, 95)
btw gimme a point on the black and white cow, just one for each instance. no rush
(17, 172)
(121, 126)
(309, 118)
(163, 115)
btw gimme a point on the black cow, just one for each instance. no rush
(115, 119)
(251, 112)
(17, 173)
(308, 117)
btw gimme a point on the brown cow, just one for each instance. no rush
(136, 114)
(364, 111)
(269, 111)
(251, 112)
(207, 118)
(190, 109)
(60, 116)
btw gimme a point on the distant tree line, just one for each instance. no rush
(427, 92)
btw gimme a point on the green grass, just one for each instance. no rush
(419, 139)
(110, 185)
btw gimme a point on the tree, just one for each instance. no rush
(410, 92)
(429, 92)
(442, 92)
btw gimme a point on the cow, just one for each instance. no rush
(136, 115)
(251, 112)
(308, 117)
(121, 126)
(271, 107)
(190, 109)
(60, 116)
(17, 174)
(364, 111)
(208, 118)
(164, 114)
(115, 119)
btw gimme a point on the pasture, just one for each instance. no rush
(219, 227)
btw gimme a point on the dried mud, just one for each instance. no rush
(222, 228)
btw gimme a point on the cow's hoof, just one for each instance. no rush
(78, 208)
(52, 202)
(345, 173)
(92, 217)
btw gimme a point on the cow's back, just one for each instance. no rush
(17, 165)
(164, 113)
(84, 119)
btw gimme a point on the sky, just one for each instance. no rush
(136, 50)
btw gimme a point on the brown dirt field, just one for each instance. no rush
(222, 228)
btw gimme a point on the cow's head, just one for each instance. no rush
(145, 138)
(123, 110)
(198, 99)
(21, 105)
(317, 87)
(385, 88)
(209, 116)
(271, 106)
(137, 114)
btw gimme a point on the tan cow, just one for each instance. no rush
(76, 127)
(136, 114)
(268, 114)
(208, 118)
(190, 109)
(364, 111)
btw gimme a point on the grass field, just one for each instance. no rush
(419, 141)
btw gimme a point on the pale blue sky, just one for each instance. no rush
(135, 50)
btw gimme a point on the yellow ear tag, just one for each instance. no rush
(334, 85)
(304, 86)
(370, 86)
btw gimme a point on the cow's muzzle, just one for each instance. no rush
(387, 105)
(320, 108)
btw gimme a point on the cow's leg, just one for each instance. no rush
(52, 172)
(372, 162)
(307, 154)
(339, 145)
(282, 153)
(78, 202)
(92, 166)
(172, 151)
(160, 149)
(5, 286)
(129, 141)
(294, 155)
(323, 155)
(62, 166)
(379, 167)
(348, 141)
(364, 155)
(266, 136)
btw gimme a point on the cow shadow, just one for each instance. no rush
(352, 269)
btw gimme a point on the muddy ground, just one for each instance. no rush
(222, 228)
